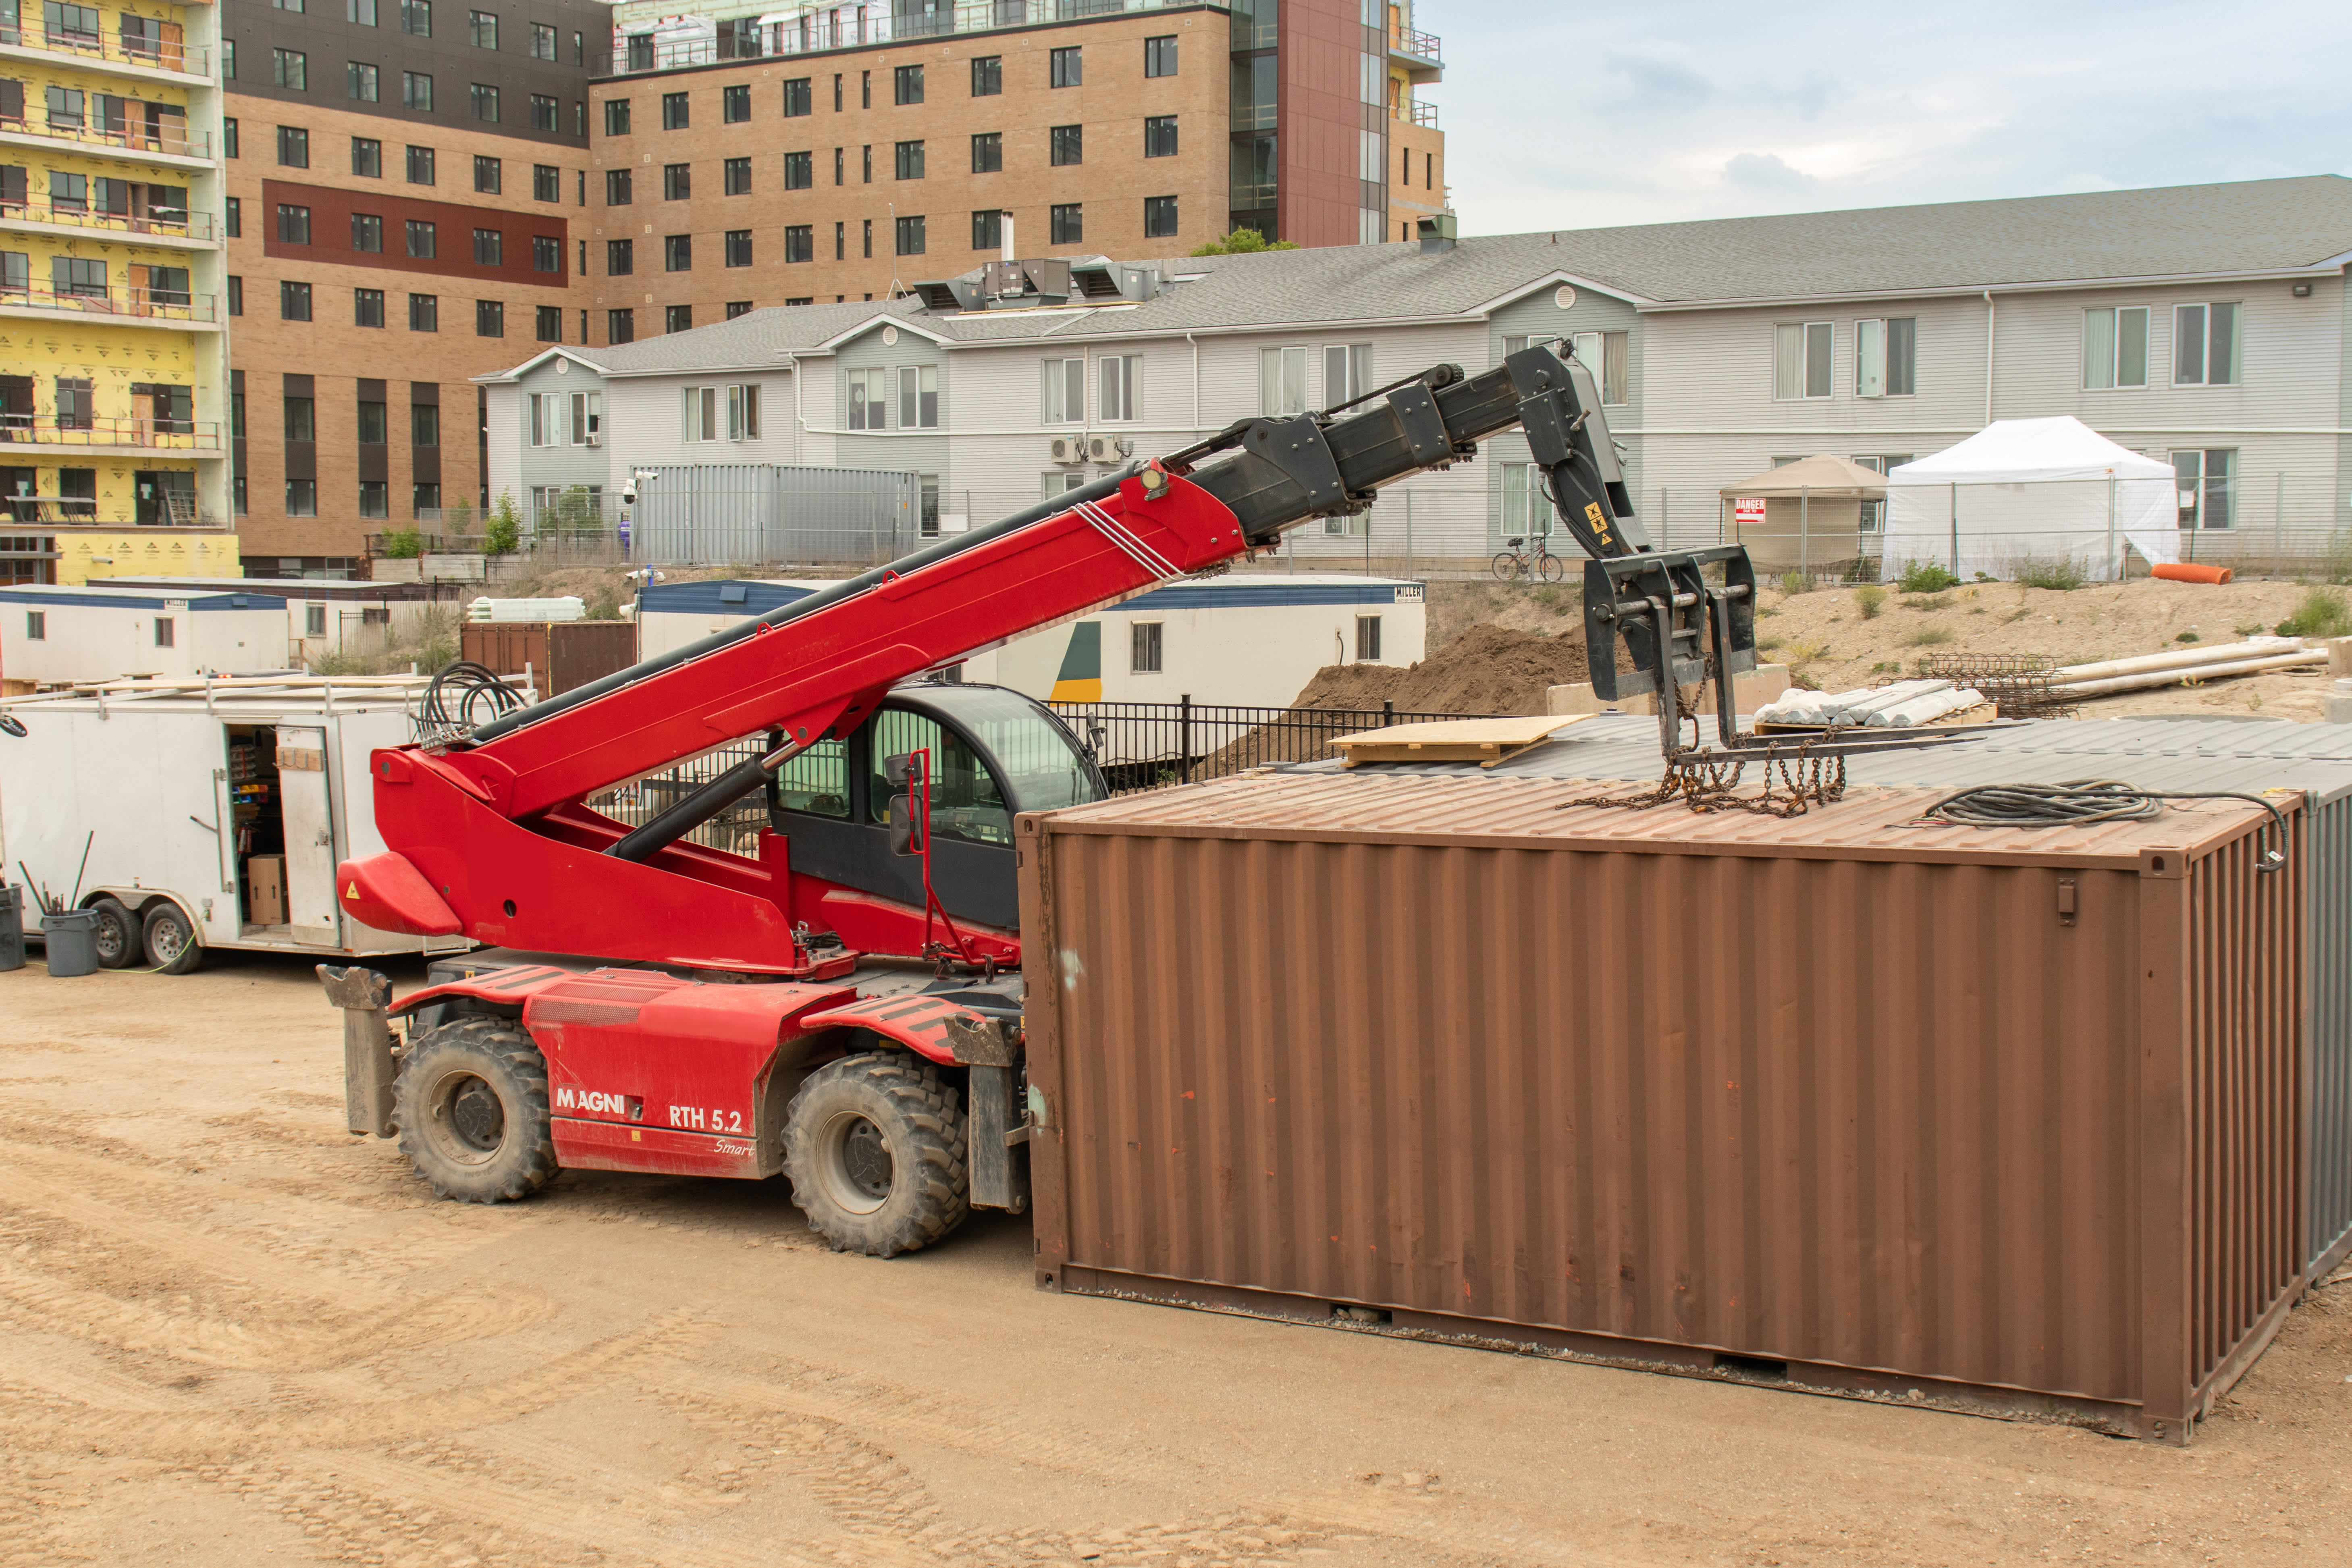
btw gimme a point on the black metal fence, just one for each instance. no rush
(1145, 746)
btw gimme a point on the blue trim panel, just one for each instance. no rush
(710, 598)
(148, 599)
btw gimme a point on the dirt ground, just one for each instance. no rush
(236, 1334)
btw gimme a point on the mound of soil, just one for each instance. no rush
(1486, 669)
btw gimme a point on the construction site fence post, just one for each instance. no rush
(1805, 530)
(2278, 521)
(2112, 563)
(1408, 533)
(1184, 734)
(1955, 528)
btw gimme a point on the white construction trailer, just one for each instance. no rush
(213, 813)
(55, 637)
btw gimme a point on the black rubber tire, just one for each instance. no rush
(886, 1103)
(120, 936)
(168, 939)
(471, 1106)
(1554, 568)
(1506, 566)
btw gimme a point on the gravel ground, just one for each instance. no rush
(235, 1334)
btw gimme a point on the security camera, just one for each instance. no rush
(629, 497)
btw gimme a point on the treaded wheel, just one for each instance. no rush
(1507, 565)
(471, 1106)
(117, 936)
(168, 936)
(875, 1146)
(1554, 568)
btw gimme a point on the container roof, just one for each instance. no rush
(102, 596)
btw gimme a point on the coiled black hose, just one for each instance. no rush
(2078, 802)
(464, 695)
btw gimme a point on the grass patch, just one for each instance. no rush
(1766, 645)
(1925, 578)
(2061, 574)
(2188, 636)
(1886, 667)
(1870, 600)
(2322, 613)
(2252, 629)
(1928, 636)
(1794, 583)
(1932, 602)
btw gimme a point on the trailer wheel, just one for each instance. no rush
(874, 1144)
(118, 935)
(471, 1106)
(169, 939)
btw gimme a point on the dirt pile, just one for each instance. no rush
(1488, 669)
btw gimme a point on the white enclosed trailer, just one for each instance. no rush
(214, 812)
(56, 637)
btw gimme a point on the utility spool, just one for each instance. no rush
(2190, 571)
(72, 943)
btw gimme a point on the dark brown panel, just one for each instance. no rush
(331, 234)
(1318, 115)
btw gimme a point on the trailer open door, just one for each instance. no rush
(309, 825)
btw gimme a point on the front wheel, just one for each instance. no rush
(1506, 566)
(1554, 568)
(471, 1106)
(118, 934)
(169, 938)
(874, 1144)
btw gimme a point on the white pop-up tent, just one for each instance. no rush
(2024, 490)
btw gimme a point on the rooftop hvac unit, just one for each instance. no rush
(1109, 449)
(1069, 448)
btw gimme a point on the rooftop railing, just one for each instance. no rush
(1420, 45)
(156, 54)
(1415, 112)
(816, 31)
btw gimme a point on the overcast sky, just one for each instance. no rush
(1580, 116)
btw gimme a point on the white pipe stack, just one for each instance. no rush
(2222, 660)
(1927, 709)
(1847, 708)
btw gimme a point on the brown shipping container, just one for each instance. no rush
(559, 654)
(2003, 1121)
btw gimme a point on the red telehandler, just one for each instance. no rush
(845, 1005)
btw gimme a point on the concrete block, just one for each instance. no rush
(1750, 691)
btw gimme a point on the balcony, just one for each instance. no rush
(162, 226)
(1421, 55)
(814, 32)
(132, 307)
(139, 436)
(1413, 111)
(171, 148)
(157, 59)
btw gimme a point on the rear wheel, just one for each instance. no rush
(118, 934)
(1554, 568)
(471, 1106)
(1507, 565)
(168, 936)
(874, 1144)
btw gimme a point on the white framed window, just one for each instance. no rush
(547, 424)
(1873, 512)
(1116, 385)
(1802, 355)
(314, 620)
(868, 399)
(1060, 482)
(2208, 486)
(1347, 372)
(1604, 354)
(701, 413)
(919, 397)
(743, 413)
(163, 631)
(1144, 647)
(1281, 381)
(2205, 346)
(36, 626)
(587, 416)
(1367, 639)
(1886, 357)
(1065, 382)
(2115, 348)
(1526, 511)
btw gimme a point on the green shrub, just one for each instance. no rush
(1870, 600)
(605, 603)
(502, 528)
(2322, 613)
(1794, 583)
(403, 543)
(1932, 602)
(1243, 242)
(1925, 578)
(2063, 574)
(2188, 636)
(1928, 636)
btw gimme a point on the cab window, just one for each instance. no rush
(966, 803)
(817, 780)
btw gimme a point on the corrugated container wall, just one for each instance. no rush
(559, 655)
(722, 513)
(2002, 1122)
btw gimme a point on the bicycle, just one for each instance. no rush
(1511, 563)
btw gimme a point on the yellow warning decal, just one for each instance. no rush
(352, 891)
(1592, 514)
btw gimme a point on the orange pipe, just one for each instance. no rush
(2185, 572)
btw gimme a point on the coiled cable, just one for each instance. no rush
(2079, 802)
(464, 696)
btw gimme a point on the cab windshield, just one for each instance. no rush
(969, 801)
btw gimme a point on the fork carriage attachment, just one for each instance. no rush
(1678, 629)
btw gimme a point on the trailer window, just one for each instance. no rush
(817, 780)
(36, 626)
(314, 620)
(162, 631)
(966, 803)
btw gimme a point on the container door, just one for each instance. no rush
(309, 835)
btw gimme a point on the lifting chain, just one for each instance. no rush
(1795, 783)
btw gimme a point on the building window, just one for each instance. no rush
(367, 233)
(1160, 55)
(1526, 509)
(36, 626)
(866, 154)
(620, 257)
(678, 182)
(293, 225)
(416, 91)
(919, 397)
(424, 312)
(674, 112)
(910, 159)
(743, 413)
(988, 153)
(236, 295)
(1367, 639)
(542, 112)
(799, 171)
(2115, 348)
(546, 253)
(374, 502)
(616, 117)
(620, 326)
(701, 418)
(293, 302)
(866, 399)
(678, 319)
(420, 166)
(678, 253)
(489, 319)
(1118, 388)
(228, 138)
(987, 76)
(550, 323)
(2208, 486)
(289, 68)
(864, 91)
(2205, 349)
(1069, 67)
(483, 28)
(1885, 357)
(367, 157)
(542, 41)
(1143, 648)
(233, 217)
(489, 174)
(743, 307)
(546, 182)
(485, 103)
(1069, 225)
(738, 247)
(301, 498)
(373, 423)
(228, 60)
(797, 100)
(1281, 381)
(422, 238)
(988, 229)
(618, 186)
(423, 424)
(1069, 145)
(1158, 218)
(76, 409)
(800, 243)
(293, 147)
(869, 239)
(362, 81)
(360, 11)
(910, 237)
(424, 498)
(1159, 136)
(907, 86)
(1802, 358)
(1347, 373)
(1065, 391)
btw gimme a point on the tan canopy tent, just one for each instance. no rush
(1811, 513)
